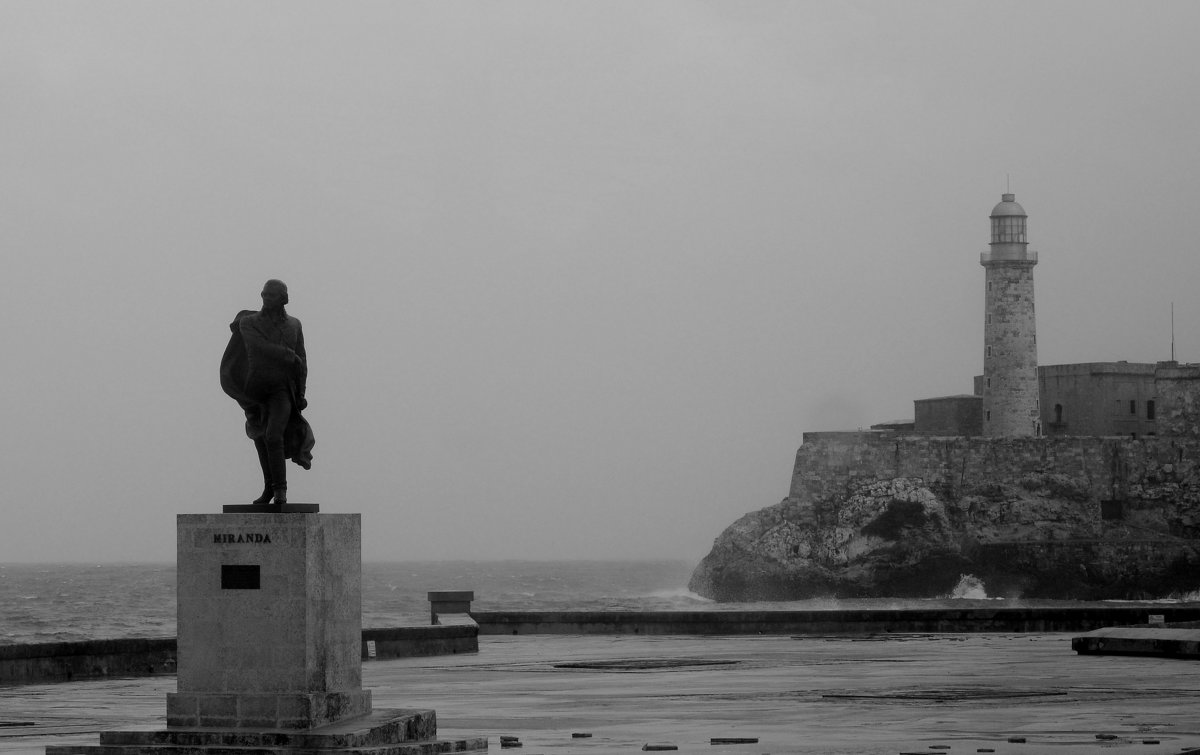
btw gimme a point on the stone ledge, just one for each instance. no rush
(387, 726)
(383, 732)
(270, 508)
(1168, 642)
(265, 710)
(415, 641)
(35, 663)
(431, 747)
(456, 620)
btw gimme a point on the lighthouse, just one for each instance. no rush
(1010, 380)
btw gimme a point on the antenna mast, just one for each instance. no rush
(1172, 331)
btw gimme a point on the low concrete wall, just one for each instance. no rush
(58, 661)
(411, 642)
(63, 661)
(822, 622)
(1175, 641)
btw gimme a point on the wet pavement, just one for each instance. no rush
(957, 693)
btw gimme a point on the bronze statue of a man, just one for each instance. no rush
(265, 369)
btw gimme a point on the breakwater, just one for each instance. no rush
(57, 661)
(833, 622)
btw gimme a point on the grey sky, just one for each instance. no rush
(574, 276)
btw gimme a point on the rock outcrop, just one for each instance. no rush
(876, 515)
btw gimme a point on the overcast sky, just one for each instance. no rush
(574, 276)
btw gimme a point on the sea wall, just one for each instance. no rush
(417, 641)
(891, 515)
(58, 661)
(61, 661)
(829, 621)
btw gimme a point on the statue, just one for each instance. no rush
(265, 369)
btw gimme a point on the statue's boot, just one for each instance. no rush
(280, 495)
(266, 496)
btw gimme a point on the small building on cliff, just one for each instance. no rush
(1099, 398)
(949, 415)
(1131, 399)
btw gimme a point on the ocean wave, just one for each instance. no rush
(970, 587)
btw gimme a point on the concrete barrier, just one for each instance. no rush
(60, 661)
(410, 642)
(459, 633)
(63, 661)
(1173, 641)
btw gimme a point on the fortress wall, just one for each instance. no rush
(1178, 389)
(1146, 474)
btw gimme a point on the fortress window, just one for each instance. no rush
(1133, 407)
(1058, 414)
(1150, 409)
(988, 415)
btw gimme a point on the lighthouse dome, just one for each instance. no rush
(1008, 207)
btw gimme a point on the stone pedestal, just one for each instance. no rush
(270, 621)
(270, 646)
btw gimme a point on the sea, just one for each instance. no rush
(70, 602)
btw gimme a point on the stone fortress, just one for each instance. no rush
(1017, 397)
(1063, 481)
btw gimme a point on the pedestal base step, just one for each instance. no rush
(271, 508)
(383, 732)
(267, 711)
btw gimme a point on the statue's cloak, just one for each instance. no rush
(298, 439)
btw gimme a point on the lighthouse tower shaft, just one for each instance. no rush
(1010, 381)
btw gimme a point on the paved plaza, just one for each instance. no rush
(956, 693)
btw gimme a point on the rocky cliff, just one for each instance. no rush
(876, 515)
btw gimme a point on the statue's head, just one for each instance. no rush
(274, 294)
